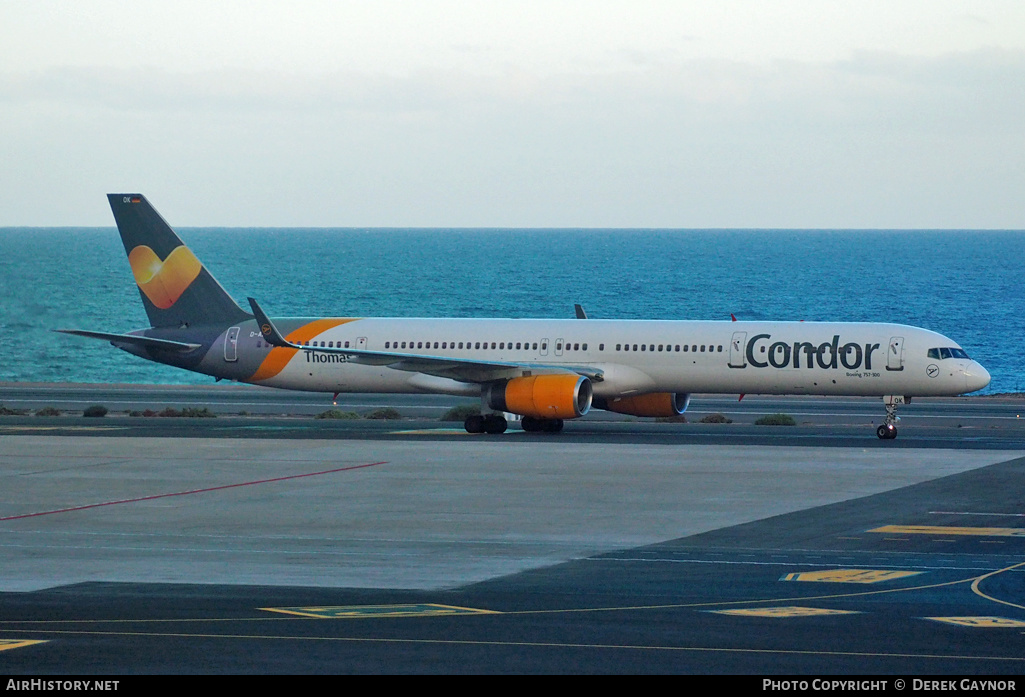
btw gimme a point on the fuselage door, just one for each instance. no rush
(231, 345)
(895, 353)
(738, 358)
(558, 347)
(543, 350)
(361, 343)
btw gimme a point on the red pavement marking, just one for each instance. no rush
(193, 491)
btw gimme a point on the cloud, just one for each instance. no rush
(874, 140)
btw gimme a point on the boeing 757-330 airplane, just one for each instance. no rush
(544, 370)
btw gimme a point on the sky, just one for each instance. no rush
(477, 113)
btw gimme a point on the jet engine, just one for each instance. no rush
(561, 396)
(652, 404)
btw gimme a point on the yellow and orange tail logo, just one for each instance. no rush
(163, 282)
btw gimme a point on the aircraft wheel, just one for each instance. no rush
(474, 424)
(887, 432)
(531, 424)
(493, 423)
(552, 425)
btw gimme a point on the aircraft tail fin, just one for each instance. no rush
(176, 289)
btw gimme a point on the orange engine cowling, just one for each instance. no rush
(653, 404)
(543, 396)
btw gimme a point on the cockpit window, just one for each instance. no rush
(948, 352)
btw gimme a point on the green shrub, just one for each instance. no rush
(776, 420)
(96, 410)
(384, 413)
(674, 419)
(148, 413)
(337, 414)
(6, 411)
(460, 412)
(48, 411)
(716, 418)
(187, 412)
(197, 413)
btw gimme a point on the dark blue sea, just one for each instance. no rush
(964, 284)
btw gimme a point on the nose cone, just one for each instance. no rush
(976, 377)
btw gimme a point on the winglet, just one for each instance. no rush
(270, 333)
(580, 311)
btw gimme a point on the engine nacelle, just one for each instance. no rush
(652, 404)
(543, 396)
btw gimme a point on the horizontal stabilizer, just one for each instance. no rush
(134, 340)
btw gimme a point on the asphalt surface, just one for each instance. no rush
(853, 556)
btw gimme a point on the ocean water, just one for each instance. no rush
(964, 284)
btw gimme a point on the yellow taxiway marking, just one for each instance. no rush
(365, 611)
(947, 530)
(985, 622)
(848, 576)
(785, 611)
(18, 643)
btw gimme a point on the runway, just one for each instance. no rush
(388, 547)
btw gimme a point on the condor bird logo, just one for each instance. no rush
(265, 329)
(164, 281)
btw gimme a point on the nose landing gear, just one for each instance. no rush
(888, 430)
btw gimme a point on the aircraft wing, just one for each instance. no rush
(134, 340)
(464, 370)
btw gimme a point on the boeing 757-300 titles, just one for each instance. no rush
(544, 370)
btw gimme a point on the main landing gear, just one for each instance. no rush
(496, 423)
(534, 425)
(485, 423)
(888, 429)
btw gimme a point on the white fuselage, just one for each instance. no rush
(639, 356)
